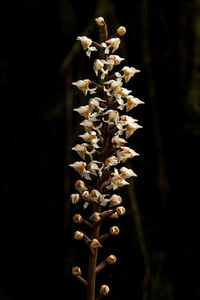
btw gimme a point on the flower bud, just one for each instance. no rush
(76, 271)
(95, 195)
(77, 218)
(100, 21)
(80, 186)
(104, 290)
(95, 217)
(95, 244)
(78, 235)
(114, 230)
(115, 200)
(111, 259)
(86, 194)
(114, 216)
(120, 210)
(74, 198)
(121, 30)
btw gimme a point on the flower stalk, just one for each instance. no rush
(104, 150)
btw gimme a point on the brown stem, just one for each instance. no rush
(101, 266)
(104, 237)
(81, 279)
(88, 224)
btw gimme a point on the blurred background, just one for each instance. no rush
(158, 248)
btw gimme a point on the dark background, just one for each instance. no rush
(38, 61)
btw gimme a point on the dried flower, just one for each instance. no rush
(74, 198)
(77, 218)
(95, 217)
(115, 200)
(120, 210)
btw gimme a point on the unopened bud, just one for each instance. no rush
(78, 235)
(95, 195)
(104, 290)
(111, 259)
(80, 186)
(120, 210)
(95, 244)
(115, 200)
(95, 217)
(100, 21)
(76, 271)
(77, 218)
(114, 216)
(74, 198)
(114, 230)
(86, 194)
(121, 30)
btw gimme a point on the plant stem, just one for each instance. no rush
(92, 263)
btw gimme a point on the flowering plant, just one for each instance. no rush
(103, 150)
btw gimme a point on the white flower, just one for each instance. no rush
(122, 92)
(96, 167)
(80, 166)
(100, 21)
(113, 60)
(81, 150)
(113, 44)
(132, 102)
(131, 128)
(115, 86)
(99, 66)
(118, 142)
(126, 173)
(94, 103)
(84, 111)
(83, 85)
(113, 116)
(111, 161)
(129, 72)
(86, 43)
(115, 200)
(124, 153)
(90, 137)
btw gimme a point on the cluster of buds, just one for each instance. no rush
(104, 148)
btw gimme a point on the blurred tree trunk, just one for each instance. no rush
(162, 180)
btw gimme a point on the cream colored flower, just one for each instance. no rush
(84, 111)
(124, 153)
(80, 186)
(115, 86)
(90, 137)
(94, 104)
(126, 173)
(116, 181)
(132, 102)
(81, 149)
(100, 21)
(110, 162)
(115, 200)
(86, 43)
(129, 72)
(83, 85)
(95, 167)
(99, 66)
(131, 128)
(113, 44)
(118, 142)
(80, 167)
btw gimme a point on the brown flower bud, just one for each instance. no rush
(111, 259)
(95, 217)
(114, 216)
(78, 235)
(95, 195)
(74, 198)
(76, 271)
(114, 230)
(121, 30)
(120, 210)
(104, 290)
(95, 244)
(77, 218)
